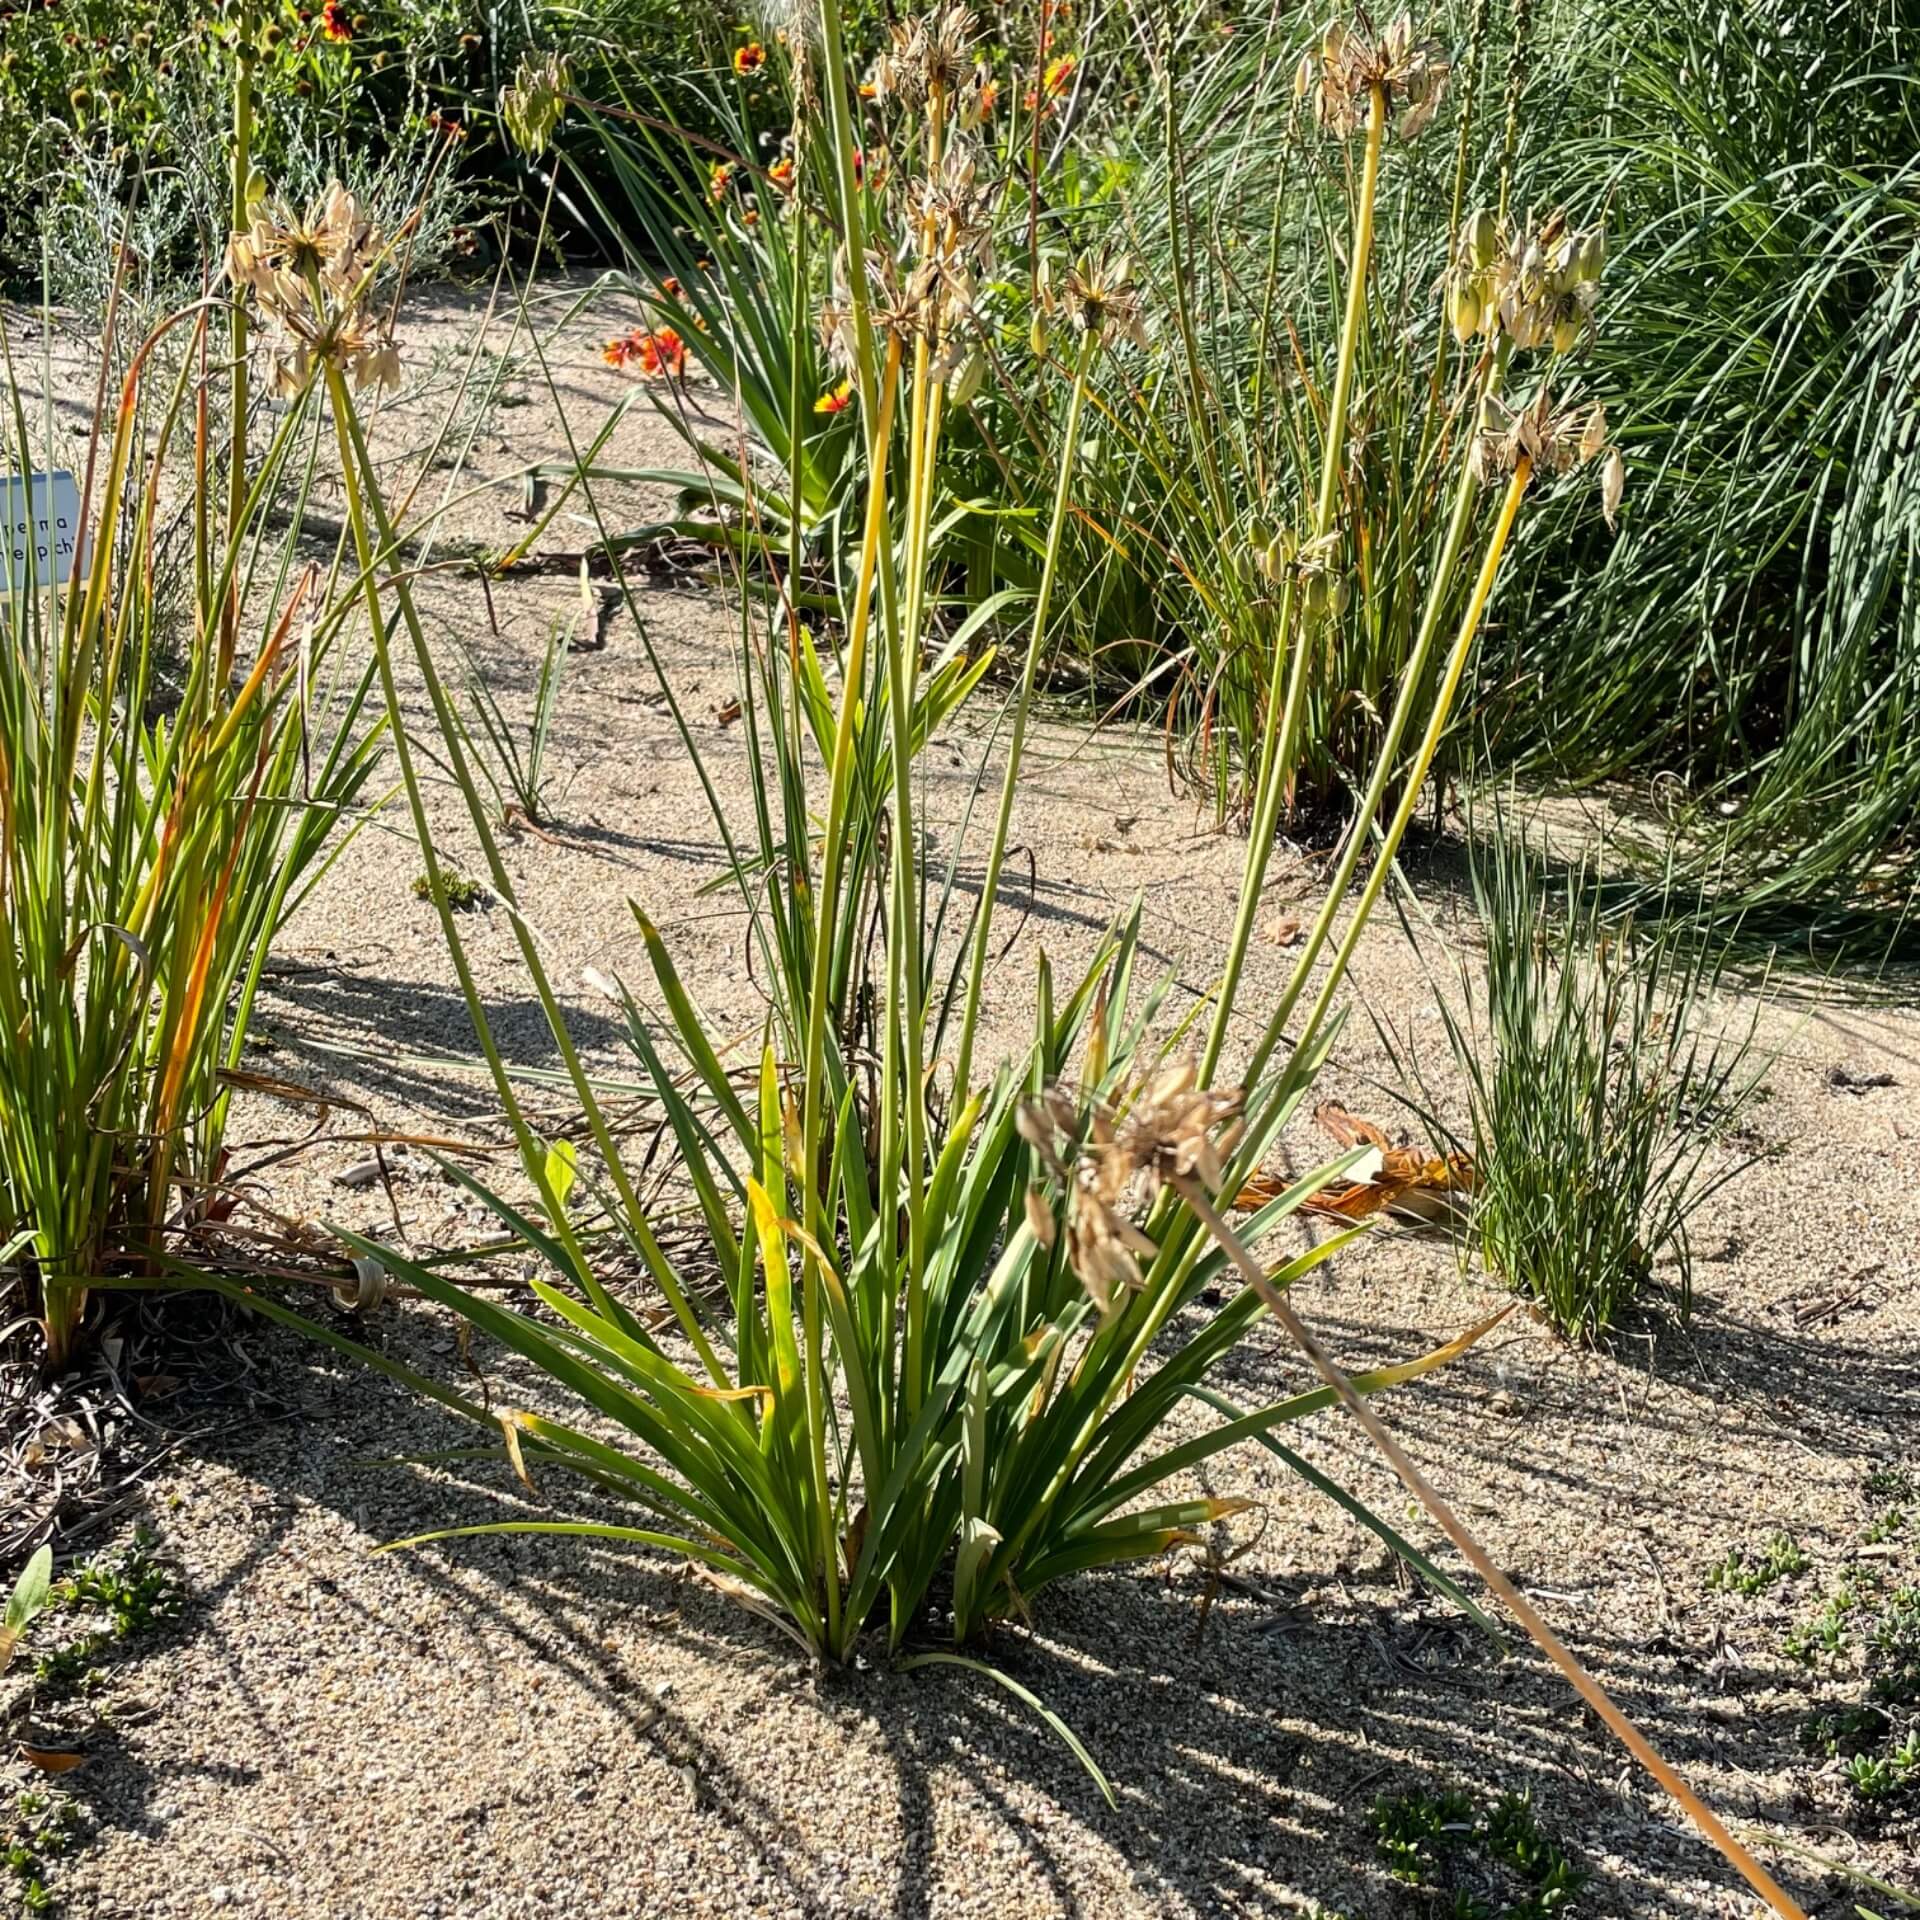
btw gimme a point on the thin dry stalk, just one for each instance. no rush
(1583, 1683)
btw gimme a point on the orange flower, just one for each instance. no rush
(782, 172)
(719, 180)
(670, 287)
(987, 98)
(659, 352)
(662, 352)
(749, 59)
(751, 217)
(868, 91)
(836, 401)
(335, 22)
(1059, 73)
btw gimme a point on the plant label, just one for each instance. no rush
(39, 530)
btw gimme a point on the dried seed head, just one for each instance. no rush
(1552, 439)
(311, 274)
(1341, 73)
(1171, 1131)
(1097, 297)
(1542, 285)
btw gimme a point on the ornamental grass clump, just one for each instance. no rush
(912, 1376)
(1604, 1103)
(180, 736)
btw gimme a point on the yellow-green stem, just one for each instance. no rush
(364, 505)
(1423, 759)
(1023, 702)
(1277, 753)
(1413, 675)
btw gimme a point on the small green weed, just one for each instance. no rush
(1888, 1483)
(1892, 1522)
(1826, 1632)
(1780, 1558)
(45, 1825)
(463, 892)
(1481, 1864)
(1893, 1650)
(1841, 1732)
(124, 1594)
(1876, 1779)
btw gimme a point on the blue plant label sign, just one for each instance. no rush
(39, 530)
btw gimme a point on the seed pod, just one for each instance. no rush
(1464, 309)
(1341, 594)
(1566, 332)
(1314, 597)
(1591, 260)
(966, 382)
(1037, 335)
(1483, 236)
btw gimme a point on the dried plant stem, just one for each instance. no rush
(1544, 1637)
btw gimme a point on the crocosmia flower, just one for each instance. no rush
(719, 180)
(836, 400)
(662, 352)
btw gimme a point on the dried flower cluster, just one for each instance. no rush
(1097, 298)
(1172, 1131)
(1538, 287)
(928, 58)
(1553, 439)
(312, 275)
(1349, 64)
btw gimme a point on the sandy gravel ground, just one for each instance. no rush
(518, 1728)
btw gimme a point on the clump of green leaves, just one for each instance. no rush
(460, 891)
(1888, 1483)
(1482, 1862)
(1599, 1093)
(45, 1825)
(512, 758)
(1740, 1572)
(120, 1595)
(1842, 1732)
(1878, 1777)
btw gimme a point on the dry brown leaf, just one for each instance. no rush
(51, 1759)
(1348, 1129)
(1284, 931)
(728, 714)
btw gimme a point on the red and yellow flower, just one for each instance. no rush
(719, 181)
(749, 59)
(1058, 76)
(336, 22)
(835, 399)
(783, 172)
(658, 352)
